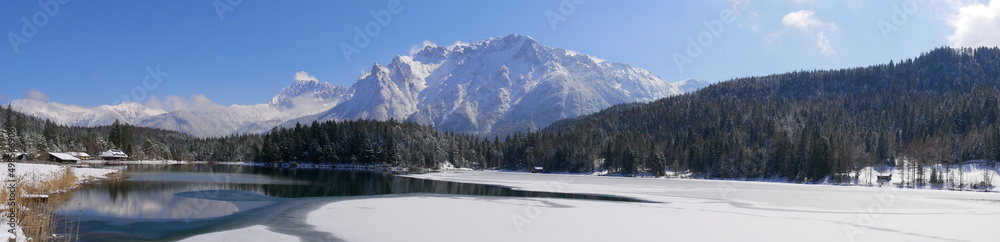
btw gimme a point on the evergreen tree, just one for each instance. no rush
(116, 136)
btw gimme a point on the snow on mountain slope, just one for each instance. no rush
(691, 85)
(497, 86)
(307, 90)
(306, 96)
(501, 85)
(130, 112)
(220, 121)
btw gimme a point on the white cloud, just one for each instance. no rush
(417, 48)
(303, 76)
(36, 95)
(824, 45)
(806, 21)
(752, 19)
(976, 24)
(803, 19)
(153, 102)
(773, 37)
(201, 100)
(456, 44)
(197, 102)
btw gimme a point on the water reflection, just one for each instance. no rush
(152, 199)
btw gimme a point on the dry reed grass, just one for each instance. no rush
(35, 218)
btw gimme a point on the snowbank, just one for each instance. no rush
(252, 233)
(43, 170)
(140, 162)
(33, 171)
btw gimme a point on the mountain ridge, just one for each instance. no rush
(500, 85)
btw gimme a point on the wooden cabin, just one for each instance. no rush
(63, 157)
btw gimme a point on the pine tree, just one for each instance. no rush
(116, 136)
(5, 146)
(657, 164)
(127, 139)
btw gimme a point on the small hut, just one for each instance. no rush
(80, 155)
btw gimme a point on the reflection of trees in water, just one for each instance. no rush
(139, 196)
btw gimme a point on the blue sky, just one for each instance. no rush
(93, 53)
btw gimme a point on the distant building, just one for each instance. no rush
(537, 169)
(16, 156)
(79, 155)
(114, 155)
(63, 157)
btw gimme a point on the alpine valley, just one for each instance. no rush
(498, 86)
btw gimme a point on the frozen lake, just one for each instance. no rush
(241, 203)
(170, 202)
(699, 210)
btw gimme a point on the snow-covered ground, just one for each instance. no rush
(137, 162)
(45, 170)
(42, 171)
(679, 209)
(974, 175)
(252, 233)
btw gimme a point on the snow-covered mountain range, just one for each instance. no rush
(497, 86)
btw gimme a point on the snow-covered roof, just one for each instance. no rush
(114, 153)
(78, 154)
(63, 156)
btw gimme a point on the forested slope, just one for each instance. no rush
(939, 107)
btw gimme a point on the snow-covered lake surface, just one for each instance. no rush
(691, 210)
(682, 210)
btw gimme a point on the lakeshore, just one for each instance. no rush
(33, 183)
